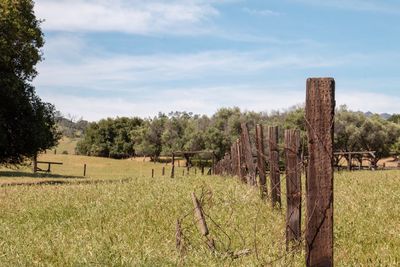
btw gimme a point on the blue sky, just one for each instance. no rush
(108, 58)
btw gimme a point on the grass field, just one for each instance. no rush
(131, 220)
(66, 145)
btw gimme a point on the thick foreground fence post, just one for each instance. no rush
(293, 186)
(273, 136)
(261, 160)
(320, 112)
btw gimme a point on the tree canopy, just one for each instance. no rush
(182, 131)
(27, 125)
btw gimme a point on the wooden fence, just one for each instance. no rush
(240, 162)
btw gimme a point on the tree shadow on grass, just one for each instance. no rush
(17, 174)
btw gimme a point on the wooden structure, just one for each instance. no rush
(248, 155)
(320, 113)
(293, 186)
(318, 166)
(49, 163)
(361, 155)
(188, 155)
(273, 136)
(261, 160)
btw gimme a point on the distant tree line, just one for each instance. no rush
(182, 131)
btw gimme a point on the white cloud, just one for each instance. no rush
(261, 12)
(83, 66)
(205, 100)
(369, 101)
(197, 101)
(129, 16)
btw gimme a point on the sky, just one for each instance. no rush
(109, 58)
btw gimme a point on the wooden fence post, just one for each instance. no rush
(173, 166)
(350, 166)
(201, 222)
(234, 160)
(240, 161)
(293, 186)
(34, 163)
(163, 171)
(152, 173)
(84, 170)
(248, 155)
(320, 113)
(273, 136)
(261, 160)
(213, 163)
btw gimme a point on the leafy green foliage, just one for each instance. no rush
(395, 118)
(27, 125)
(109, 138)
(182, 131)
(20, 39)
(356, 132)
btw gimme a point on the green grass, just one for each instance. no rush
(67, 145)
(132, 223)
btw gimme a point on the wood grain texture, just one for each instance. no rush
(293, 186)
(261, 166)
(273, 136)
(320, 111)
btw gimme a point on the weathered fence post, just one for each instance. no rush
(261, 160)
(273, 136)
(201, 222)
(240, 160)
(320, 113)
(84, 170)
(173, 166)
(163, 171)
(234, 160)
(248, 155)
(34, 163)
(293, 186)
(350, 166)
(152, 173)
(202, 170)
(213, 163)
